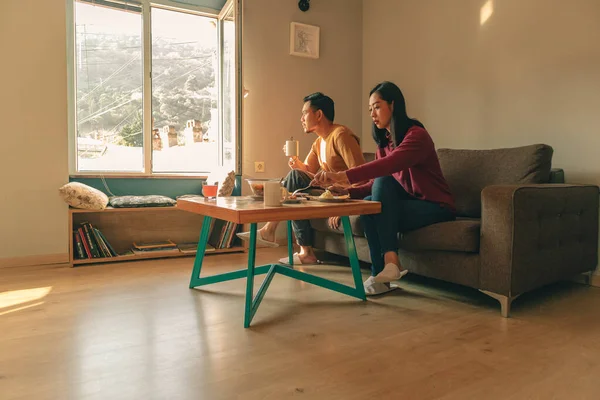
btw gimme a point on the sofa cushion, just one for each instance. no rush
(460, 235)
(469, 171)
(321, 225)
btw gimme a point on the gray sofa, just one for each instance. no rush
(519, 227)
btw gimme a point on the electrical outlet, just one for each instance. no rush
(259, 166)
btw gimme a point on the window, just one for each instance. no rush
(156, 88)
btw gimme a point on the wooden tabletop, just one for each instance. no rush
(244, 210)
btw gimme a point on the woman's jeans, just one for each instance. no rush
(400, 212)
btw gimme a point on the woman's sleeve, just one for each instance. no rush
(362, 191)
(414, 148)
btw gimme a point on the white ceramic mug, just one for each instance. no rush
(292, 148)
(275, 194)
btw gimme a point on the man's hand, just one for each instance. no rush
(334, 222)
(295, 163)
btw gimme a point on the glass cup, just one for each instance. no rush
(210, 191)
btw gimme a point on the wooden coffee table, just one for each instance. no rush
(244, 210)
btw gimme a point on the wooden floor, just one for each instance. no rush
(135, 331)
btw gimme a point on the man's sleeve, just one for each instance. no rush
(348, 147)
(312, 160)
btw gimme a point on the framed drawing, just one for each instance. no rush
(304, 40)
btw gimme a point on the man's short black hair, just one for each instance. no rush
(318, 101)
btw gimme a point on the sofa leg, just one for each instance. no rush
(587, 278)
(505, 301)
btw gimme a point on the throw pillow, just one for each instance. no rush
(79, 195)
(141, 201)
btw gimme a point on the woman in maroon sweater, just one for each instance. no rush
(405, 177)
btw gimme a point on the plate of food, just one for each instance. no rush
(294, 199)
(328, 197)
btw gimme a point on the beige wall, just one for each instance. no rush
(278, 81)
(530, 74)
(33, 158)
(33, 140)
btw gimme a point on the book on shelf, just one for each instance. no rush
(192, 248)
(163, 244)
(222, 234)
(88, 253)
(79, 250)
(162, 247)
(155, 252)
(89, 242)
(107, 243)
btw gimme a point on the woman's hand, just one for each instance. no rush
(325, 179)
(338, 190)
(334, 222)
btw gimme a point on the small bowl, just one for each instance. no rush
(210, 190)
(258, 186)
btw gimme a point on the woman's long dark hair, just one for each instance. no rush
(400, 122)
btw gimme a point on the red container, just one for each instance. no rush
(210, 190)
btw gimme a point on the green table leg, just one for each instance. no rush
(252, 303)
(228, 276)
(196, 280)
(350, 245)
(290, 244)
(261, 293)
(200, 252)
(322, 282)
(250, 277)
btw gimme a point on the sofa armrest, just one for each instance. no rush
(532, 235)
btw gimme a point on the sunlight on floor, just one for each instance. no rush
(486, 12)
(21, 308)
(17, 297)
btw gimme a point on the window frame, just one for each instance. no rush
(146, 5)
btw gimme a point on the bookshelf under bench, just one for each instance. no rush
(123, 226)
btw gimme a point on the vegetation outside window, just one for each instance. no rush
(156, 88)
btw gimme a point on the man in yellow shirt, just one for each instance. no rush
(336, 149)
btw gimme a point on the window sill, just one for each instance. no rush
(138, 176)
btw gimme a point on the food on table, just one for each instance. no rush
(258, 188)
(326, 195)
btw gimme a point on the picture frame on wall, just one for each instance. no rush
(304, 40)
